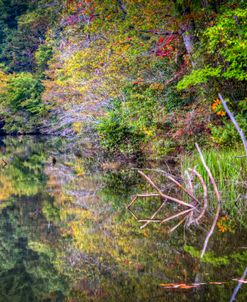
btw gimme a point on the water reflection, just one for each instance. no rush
(66, 235)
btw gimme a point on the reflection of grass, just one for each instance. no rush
(230, 174)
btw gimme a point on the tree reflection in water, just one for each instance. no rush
(66, 235)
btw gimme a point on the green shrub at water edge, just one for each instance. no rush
(129, 122)
(20, 103)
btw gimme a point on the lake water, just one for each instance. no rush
(66, 235)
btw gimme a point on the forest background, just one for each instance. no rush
(143, 75)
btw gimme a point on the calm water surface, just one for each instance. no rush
(65, 234)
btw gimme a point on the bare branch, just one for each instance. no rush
(183, 188)
(177, 225)
(176, 215)
(218, 200)
(149, 180)
(149, 220)
(240, 131)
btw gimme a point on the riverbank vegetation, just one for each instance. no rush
(93, 91)
(141, 77)
(147, 73)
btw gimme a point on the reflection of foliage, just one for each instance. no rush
(72, 239)
(225, 224)
(119, 186)
(113, 248)
(23, 173)
(50, 212)
(27, 268)
(237, 259)
(209, 257)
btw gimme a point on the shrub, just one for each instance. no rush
(42, 56)
(130, 122)
(21, 103)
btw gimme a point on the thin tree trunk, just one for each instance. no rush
(240, 131)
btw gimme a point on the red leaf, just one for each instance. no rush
(161, 40)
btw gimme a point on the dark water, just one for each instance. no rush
(66, 235)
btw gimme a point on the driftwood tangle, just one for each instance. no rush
(192, 212)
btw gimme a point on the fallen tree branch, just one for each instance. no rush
(218, 201)
(191, 215)
(183, 188)
(149, 180)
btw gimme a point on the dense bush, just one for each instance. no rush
(42, 56)
(221, 54)
(21, 105)
(130, 121)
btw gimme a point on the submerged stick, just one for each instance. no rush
(177, 225)
(176, 215)
(149, 220)
(235, 123)
(218, 201)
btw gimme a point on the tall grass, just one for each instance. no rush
(230, 173)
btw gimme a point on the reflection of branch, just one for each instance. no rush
(182, 188)
(205, 196)
(237, 288)
(140, 196)
(4, 164)
(240, 131)
(218, 200)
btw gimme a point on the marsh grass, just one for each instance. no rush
(230, 173)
